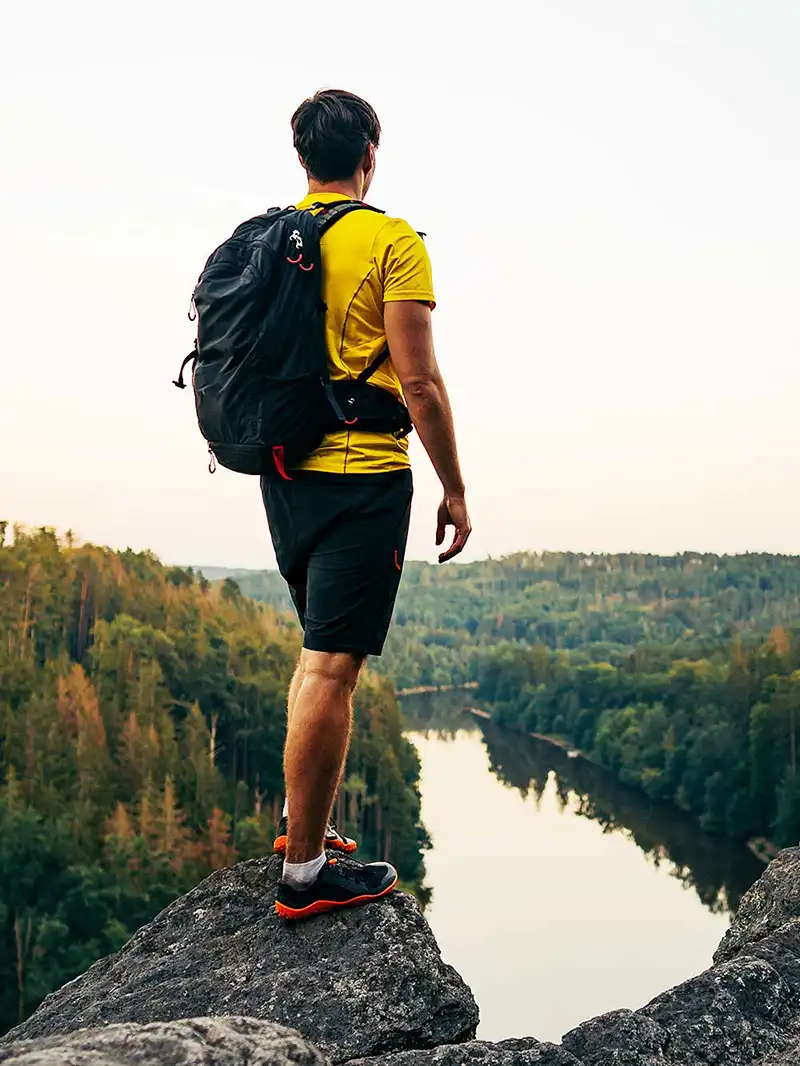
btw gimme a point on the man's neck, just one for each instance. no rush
(353, 190)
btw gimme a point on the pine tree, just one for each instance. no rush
(201, 779)
(79, 711)
(219, 852)
(174, 839)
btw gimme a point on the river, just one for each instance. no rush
(557, 893)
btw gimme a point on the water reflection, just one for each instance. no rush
(718, 870)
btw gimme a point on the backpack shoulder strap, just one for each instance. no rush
(369, 370)
(330, 213)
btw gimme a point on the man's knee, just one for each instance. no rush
(342, 669)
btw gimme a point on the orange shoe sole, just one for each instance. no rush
(320, 906)
(279, 846)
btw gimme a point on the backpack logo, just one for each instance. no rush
(297, 241)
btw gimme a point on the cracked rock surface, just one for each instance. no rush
(355, 982)
(216, 978)
(193, 1042)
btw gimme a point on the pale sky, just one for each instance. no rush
(610, 192)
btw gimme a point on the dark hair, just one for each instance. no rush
(332, 131)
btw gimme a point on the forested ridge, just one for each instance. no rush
(680, 674)
(141, 729)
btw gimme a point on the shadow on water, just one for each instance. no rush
(720, 871)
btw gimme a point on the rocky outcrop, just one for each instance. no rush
(524, 1052)
(772, 901)
(368, 987)
(356, 983)
(195, 1042)
(744, 1010)
(737, 1014)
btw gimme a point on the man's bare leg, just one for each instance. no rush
(294, 688)
(318, 736)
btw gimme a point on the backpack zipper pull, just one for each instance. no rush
(179, 383)
(212, 461)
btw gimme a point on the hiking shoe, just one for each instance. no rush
(341, 883)
(333, 839)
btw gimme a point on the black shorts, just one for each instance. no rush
(340, 541)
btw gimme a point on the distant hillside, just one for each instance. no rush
(602, 605)
(265, 585)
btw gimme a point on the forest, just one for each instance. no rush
(141, 728)
(142, 714)
(679, 674)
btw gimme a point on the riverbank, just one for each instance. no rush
(763, 849)
(421, 690)
(558, 742)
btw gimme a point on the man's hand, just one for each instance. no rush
(453, 512)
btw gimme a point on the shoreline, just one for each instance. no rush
(421, 690)
(763, 849)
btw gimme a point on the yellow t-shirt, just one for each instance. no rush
(368, 260)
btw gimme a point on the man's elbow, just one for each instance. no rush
(423, 390)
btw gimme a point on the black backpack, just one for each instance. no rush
(262, 386)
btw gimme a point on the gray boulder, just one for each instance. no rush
(790, 1057)
(356, 983)
(519, 1052)
(619, 1038)
(194, 1042)
(769, 904)
(732, 1014)
(737, 1013)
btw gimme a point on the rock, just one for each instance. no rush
(781, 950)
(769, 904)
(732, 1014)
(194, 1042)
(520, 1052)
(790, 1057)
(356, 983)
(369, 987)
(620, 1038)
(739, 1012)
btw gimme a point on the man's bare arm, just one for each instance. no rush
(410, 338)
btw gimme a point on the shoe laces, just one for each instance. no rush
(353, 871)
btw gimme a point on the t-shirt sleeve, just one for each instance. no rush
(403, 264)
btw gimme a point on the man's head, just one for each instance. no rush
(336, 134)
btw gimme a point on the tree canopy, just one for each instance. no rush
(142, 715)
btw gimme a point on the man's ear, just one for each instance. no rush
(368, 163)
(302, 163)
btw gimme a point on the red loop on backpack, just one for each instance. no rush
(278, 460)
(351, 421)
(297, 262)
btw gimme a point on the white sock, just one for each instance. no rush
(303, 874)
(285, 809)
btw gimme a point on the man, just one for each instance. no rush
(340, 524)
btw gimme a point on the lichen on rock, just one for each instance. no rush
(218, 979)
